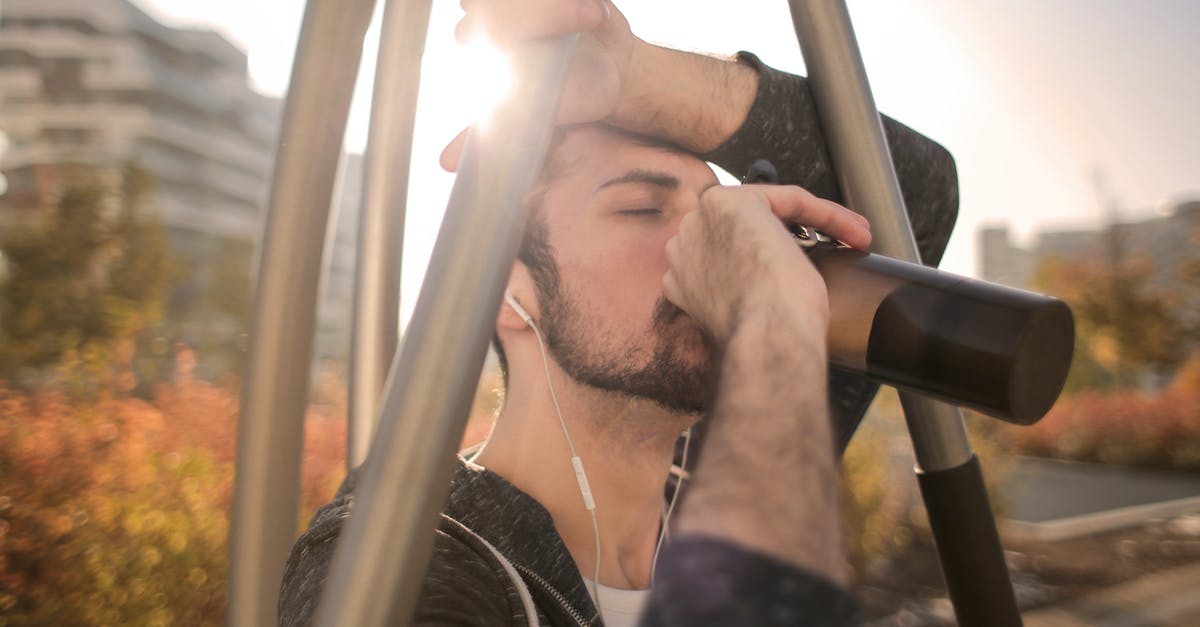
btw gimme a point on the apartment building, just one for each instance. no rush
(1164, 239)
(1168, 242)
(100, 84)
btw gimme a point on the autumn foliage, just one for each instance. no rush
(115, 510)
(1136, 328)
(1124, 427)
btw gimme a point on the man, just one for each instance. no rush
(646, 296)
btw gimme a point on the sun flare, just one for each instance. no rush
(487, 79)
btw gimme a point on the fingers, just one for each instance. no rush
(799, 206)
(453, 151)
(671, 290)
(671, 287)
(506, 21)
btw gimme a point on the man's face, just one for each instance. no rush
(607, 215)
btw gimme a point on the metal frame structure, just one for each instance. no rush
(423, 404)
(949, 474)
(375, 333)
(271, 426)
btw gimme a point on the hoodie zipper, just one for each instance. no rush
(558, 596)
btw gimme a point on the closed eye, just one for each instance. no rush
(645, 211)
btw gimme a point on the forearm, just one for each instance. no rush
(695, 101)
(767, 476)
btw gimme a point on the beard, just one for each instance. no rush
(669, 378)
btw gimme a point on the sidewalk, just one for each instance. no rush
(1055, 500)
(1170, 598)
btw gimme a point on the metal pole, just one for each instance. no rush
(376, 329)
(951, 481)
(429, 390)
(868, 179)
(271, 428)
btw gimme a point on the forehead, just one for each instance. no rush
(585, 157)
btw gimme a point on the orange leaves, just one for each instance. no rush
(1125, 428)
(114, 509)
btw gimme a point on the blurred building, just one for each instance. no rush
(100, 84)
(1167, 244)
(1164, 240)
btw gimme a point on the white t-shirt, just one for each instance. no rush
(619, 608)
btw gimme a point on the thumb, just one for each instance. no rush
(452, 153)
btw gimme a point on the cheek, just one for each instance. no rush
(623, 256)
(623, 279)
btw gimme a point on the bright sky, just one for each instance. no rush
(1032, 97)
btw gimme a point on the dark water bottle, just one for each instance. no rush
(1000, 350)
(1003, 351)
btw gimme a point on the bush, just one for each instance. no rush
(1125, 428)
(114, 510)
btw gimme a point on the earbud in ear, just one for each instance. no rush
(512, 302)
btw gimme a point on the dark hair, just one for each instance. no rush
(538, 256)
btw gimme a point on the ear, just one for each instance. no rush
(521, 286)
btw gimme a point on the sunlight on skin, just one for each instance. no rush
(488, 81)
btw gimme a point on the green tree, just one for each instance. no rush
(92, 272)
(210, 308)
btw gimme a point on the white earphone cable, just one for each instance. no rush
(585, 490)
(662, 534)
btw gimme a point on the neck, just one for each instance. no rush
(626, 446)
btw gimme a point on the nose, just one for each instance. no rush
(688, 202)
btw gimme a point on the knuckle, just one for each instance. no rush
(670, 287)
(713, 195)
(689, 227)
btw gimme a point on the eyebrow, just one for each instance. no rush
(648, 177)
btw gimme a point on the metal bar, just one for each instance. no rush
(963, 525)
(938, 434)
(868, 180)
(375, 332)
(429, 390)
(969, 549)
(271, 429)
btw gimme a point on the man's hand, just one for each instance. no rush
(602, 57)
(691, 100)
(733, 256)
(766, 478)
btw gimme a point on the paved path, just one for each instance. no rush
(1043, 490)
(1166, 599)
(1050, 499)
